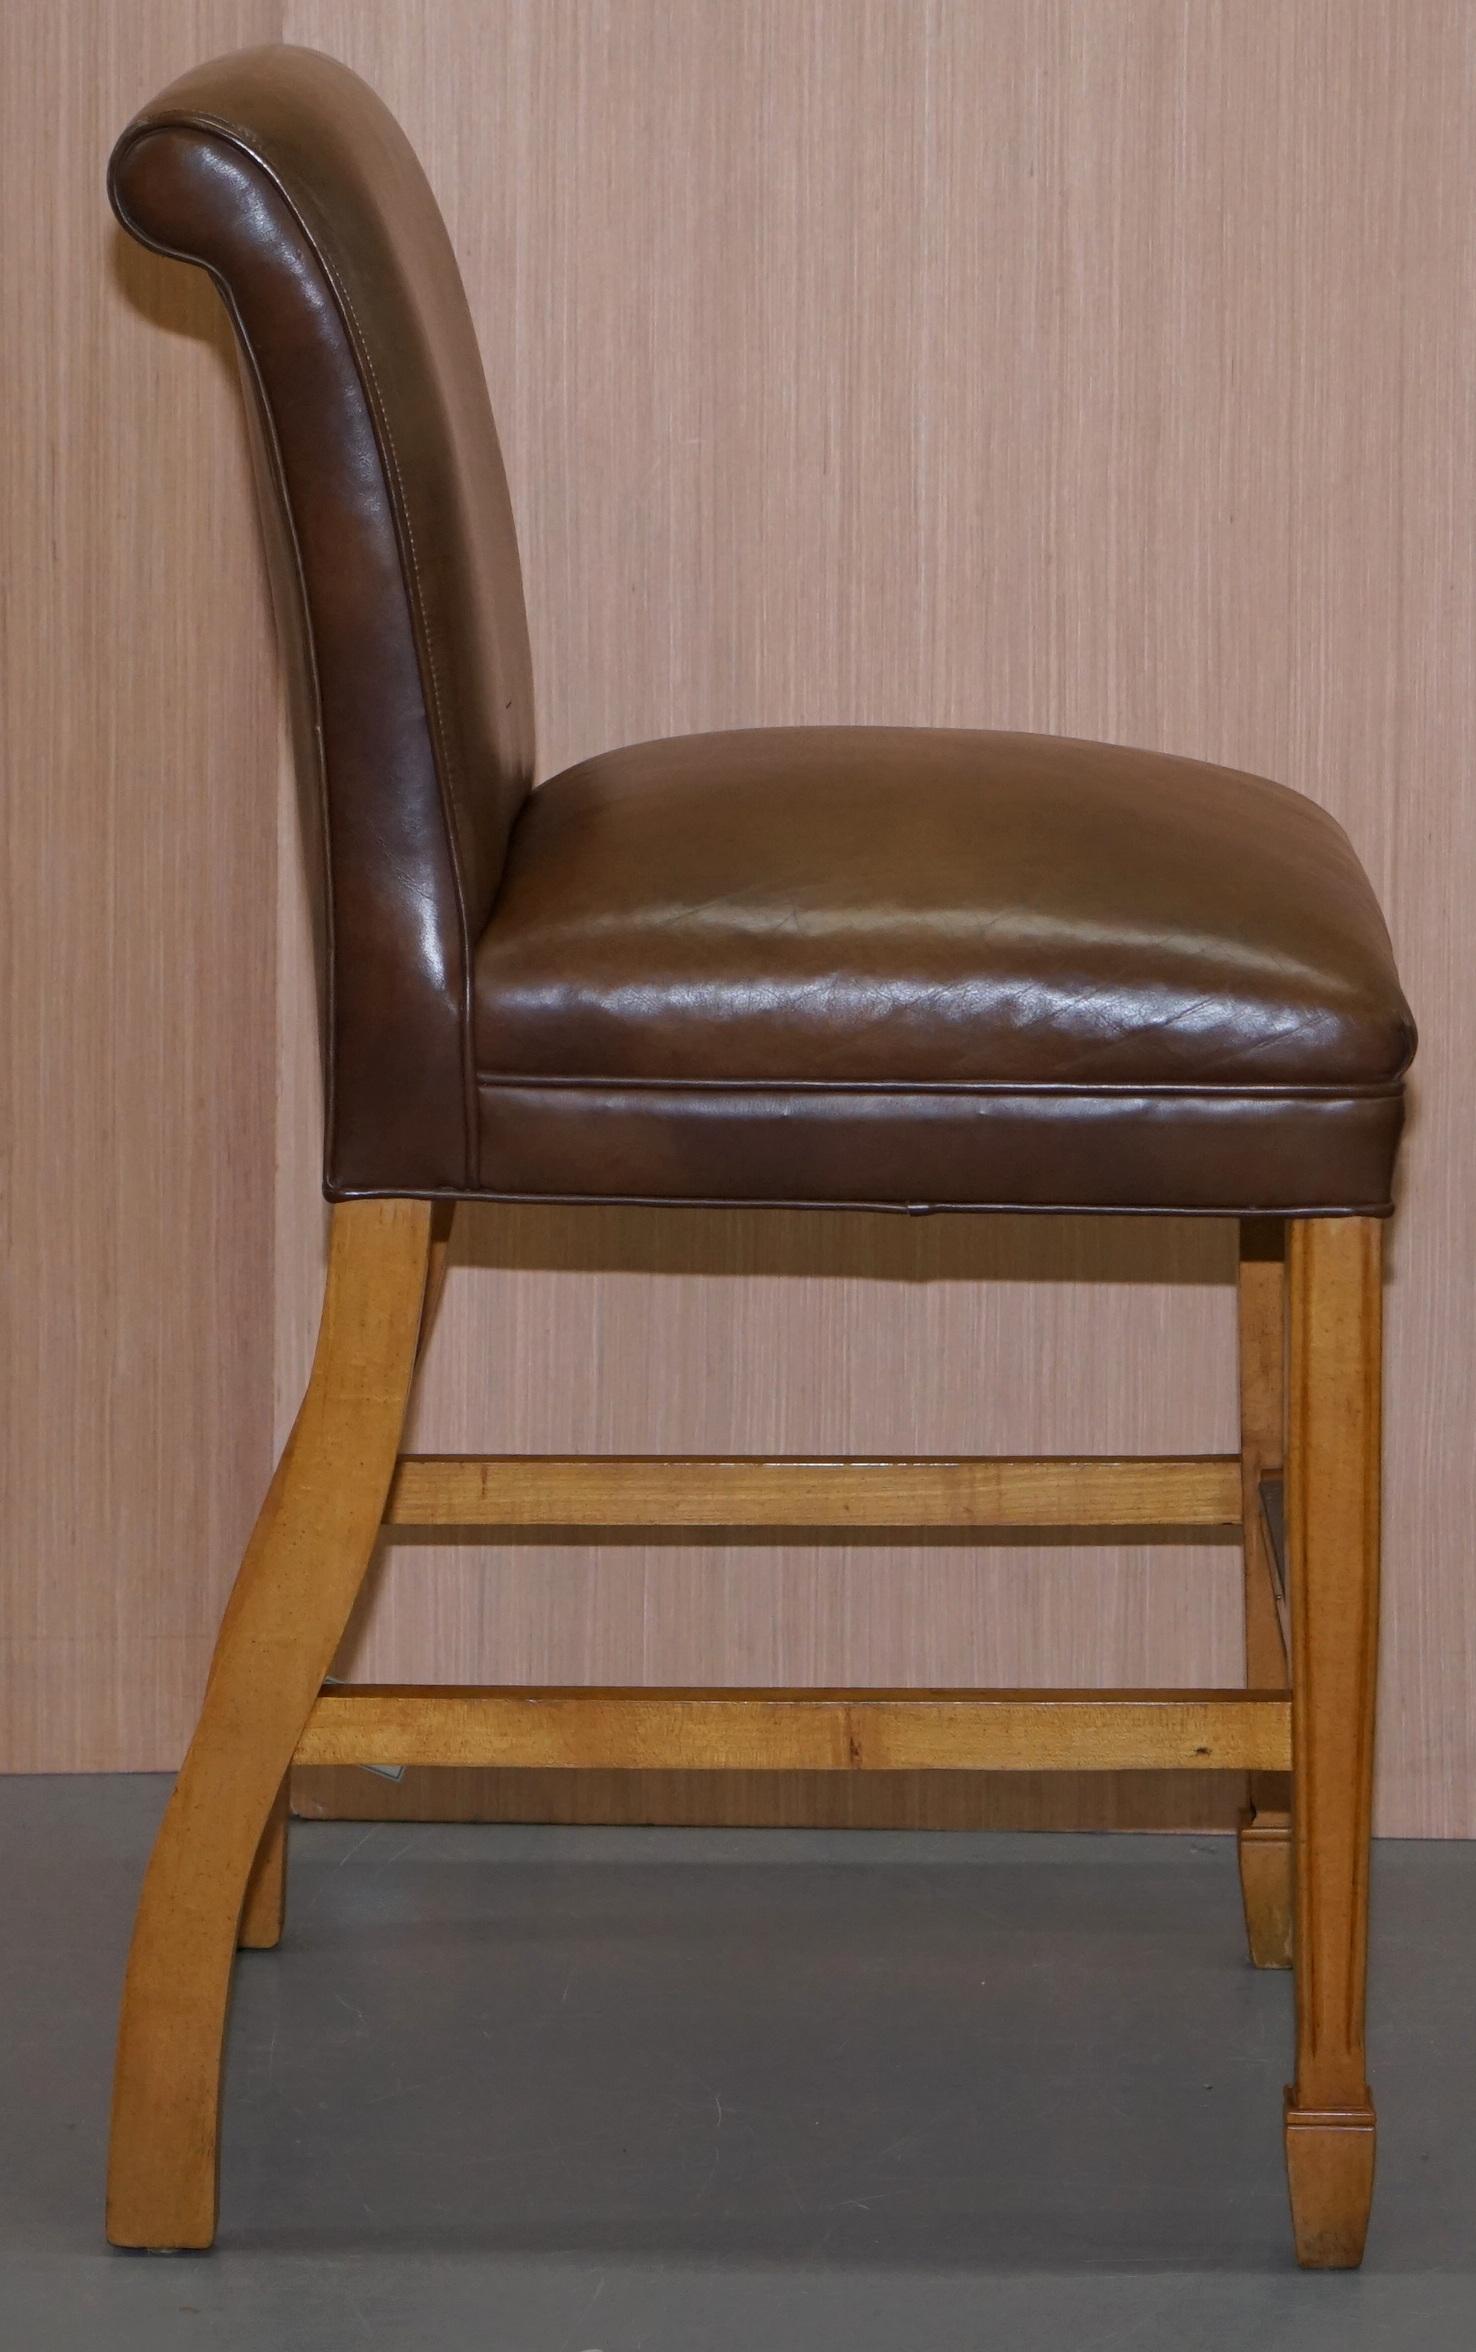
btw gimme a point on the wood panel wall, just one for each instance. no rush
(1100, 366)
(139, 751)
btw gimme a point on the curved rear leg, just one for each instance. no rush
(297, 1583)
(264, 1914)
(264, 1911)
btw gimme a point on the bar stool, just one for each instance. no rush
(850, 967)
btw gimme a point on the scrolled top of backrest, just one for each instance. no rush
(284, 175)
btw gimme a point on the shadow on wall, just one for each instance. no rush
(180, 301)
(874, 1246)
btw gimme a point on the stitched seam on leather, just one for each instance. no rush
(513, 1082)
(885, 1208)
(471, 1141)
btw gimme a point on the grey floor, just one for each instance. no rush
(678, 2091)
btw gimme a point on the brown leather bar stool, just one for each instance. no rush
(853, 967)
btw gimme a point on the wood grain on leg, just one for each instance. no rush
(1333, 1533)
(443, 1217)
(265, 1908)
(265, 1912)
(297, 1583)
(1265, 1825)
(1265, 1851)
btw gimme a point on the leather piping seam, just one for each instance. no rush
(885, 1208)
(972, 1090)
(399, 506)
(409, 561)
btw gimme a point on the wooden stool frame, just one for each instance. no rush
(1301, 1731)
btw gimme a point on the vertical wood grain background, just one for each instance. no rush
(1100, 366)
(138, 724)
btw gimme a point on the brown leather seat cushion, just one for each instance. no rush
(933, 968)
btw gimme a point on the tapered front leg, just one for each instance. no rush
(1265, 1826)
(297, 1583)
(1333, 1467)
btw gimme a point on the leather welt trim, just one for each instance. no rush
(966, 1090)
(877, 1208)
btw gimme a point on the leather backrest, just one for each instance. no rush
(395, 558)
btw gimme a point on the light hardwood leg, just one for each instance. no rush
(302, 1569)
(443, 1217)
(265, 1912)
(1265, 1825)
(1333, 1431)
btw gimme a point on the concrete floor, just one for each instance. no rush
(692, 2091)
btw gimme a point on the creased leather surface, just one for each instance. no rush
(283, 174)
(928, 967)
(833, 965)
